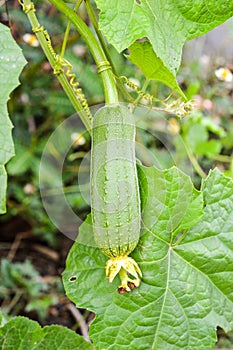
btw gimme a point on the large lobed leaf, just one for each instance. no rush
(166, 23)
(11, 64)
(20, 333)
(186, 257)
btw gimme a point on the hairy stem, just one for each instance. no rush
(28, 8)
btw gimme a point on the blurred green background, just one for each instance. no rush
(32, 250)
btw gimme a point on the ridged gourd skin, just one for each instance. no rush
(115, 197)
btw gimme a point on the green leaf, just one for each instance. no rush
(41, 306)
(186, 257)
(166, 23)
(196, 135)
(11, 64)
(21, 162)
(176, 206)
(61, 338)
(212, 126)
(20, 333)
(209, 148)
(21, 275)
(143, 56)
(195, 130)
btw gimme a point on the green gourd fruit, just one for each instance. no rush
(115, 199)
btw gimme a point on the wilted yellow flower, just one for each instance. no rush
(224, 74)
(31, 39)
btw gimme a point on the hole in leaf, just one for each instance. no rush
(138, 2)
(72, 279)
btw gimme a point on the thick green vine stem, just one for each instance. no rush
(103, 66)
(122, 89)
(62, 68)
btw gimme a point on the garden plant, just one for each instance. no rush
(153, 258)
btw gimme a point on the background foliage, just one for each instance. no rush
(37, 107)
